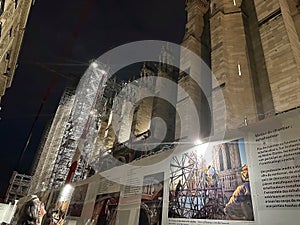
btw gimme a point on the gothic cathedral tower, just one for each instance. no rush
(231, 65)
(255, 53)
(164, 112)
(191, 98)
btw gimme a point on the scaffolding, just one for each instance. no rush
(195, 191)
(91, 107)
(84, 113)
(82, 126)
(18, 187)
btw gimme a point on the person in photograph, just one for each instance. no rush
(99, 214)
(178, 189)
(32, 212)
(212, 176)
(178, 192)
(239, 206)
(58, 213)
(56, 218)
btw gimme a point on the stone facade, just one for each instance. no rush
(190, 98)
(281, 46)
(13, 19)
(164, 102)
(227, 162)
(230, 65)
(255, 59)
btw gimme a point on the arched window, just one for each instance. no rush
(227, 157)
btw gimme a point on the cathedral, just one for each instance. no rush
(228, 164)
(252, 48)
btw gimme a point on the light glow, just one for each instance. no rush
(103, 71)
(94, 64)
(66, 192)
(198, 142)
(201, 149)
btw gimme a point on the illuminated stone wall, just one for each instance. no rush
(280, 42)
(13, 18)
(230, 66)
(190, 99)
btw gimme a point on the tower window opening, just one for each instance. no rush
(7, 73)
(221, 160)
(7, 55)
(228, 160)
(239, 69)
(10, 31)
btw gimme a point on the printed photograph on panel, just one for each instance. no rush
(211, 182)
(152, 199)
(77, 201)
(105, 209)
(51, 208)
(58, 205)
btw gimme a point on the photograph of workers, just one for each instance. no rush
(105, 209)
(58, 205)
(211, 182)
(77, 201)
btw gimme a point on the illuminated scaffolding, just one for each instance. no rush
(84, 113)
(82, 127)
(74, 129)
(76, 133)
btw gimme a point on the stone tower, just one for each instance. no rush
(278, 22)
(164, 102)
(227, 162)
(191, 93)
(231, 65)
(131, 110)
(255, 54)
(143, 111)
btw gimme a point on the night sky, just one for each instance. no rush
(64, 36)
